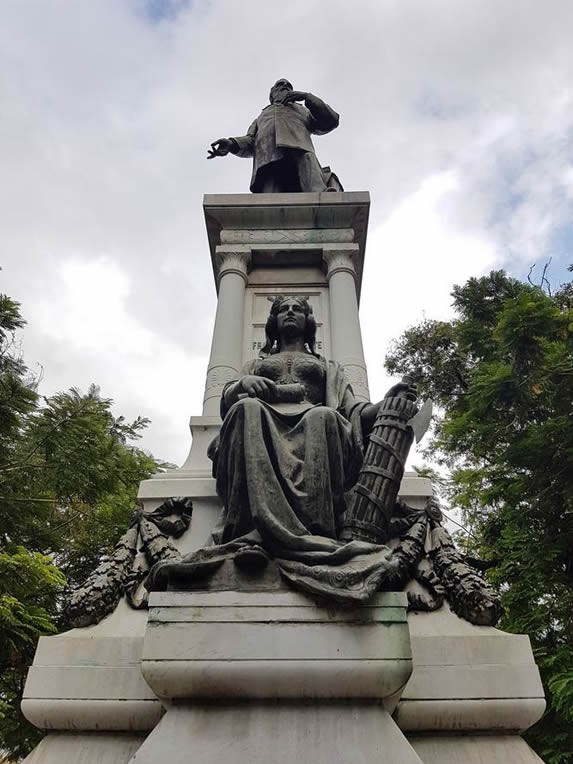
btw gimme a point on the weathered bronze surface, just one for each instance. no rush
(279, 141)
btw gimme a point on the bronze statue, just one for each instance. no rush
(279, 140)
(294, 460)
(283, 464)
(308, 477)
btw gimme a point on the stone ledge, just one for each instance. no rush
(326, 678)
(493, 749)
(463, 714)
(270, 614)
(265, 599)
(198, 484)
(75, 714)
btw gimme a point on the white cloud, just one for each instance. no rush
(106, 345)
(396, 293)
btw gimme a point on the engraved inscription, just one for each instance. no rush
(257, 345)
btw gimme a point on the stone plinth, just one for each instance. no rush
(472, 680)
(88, 682)
(274, 676)
(85, 748)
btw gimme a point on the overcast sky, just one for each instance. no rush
(456, 116)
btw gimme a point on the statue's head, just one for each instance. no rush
(278, 322)
(279, 90)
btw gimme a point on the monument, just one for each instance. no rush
(303, 600)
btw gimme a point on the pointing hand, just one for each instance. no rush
(220, 148)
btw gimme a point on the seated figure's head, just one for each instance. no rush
(272, 329)
(279, 90)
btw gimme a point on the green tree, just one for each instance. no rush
(501, 373)
(68, 483)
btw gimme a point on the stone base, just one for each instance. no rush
(474, 679)
(220, 647)
(92, 748)
(275, 676)
(474, 749)
(260, 734)
(473, 690)
(86, 688)
(90, 679)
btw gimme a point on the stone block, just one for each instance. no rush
(90, 679)
(274, 645)
(474, 749)
(468, 678)
(275, 675)
(85, 748)
(259, 734)
(248, 214)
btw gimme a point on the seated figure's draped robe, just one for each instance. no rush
(282, 476)
(282, 472)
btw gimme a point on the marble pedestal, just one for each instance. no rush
(272, 676)
(473, 690)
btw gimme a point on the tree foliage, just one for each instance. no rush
(68, 483)
(501, 373)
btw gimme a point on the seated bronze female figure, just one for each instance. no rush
(308, 478)
(290, 448)
(282, 468)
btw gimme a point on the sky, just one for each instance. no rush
(456, 116)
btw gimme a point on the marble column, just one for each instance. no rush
(345, 334)
(226, 348)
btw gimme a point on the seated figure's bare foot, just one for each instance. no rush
(251, 558)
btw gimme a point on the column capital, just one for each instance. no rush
(339, 260)
(233, 260)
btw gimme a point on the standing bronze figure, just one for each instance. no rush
(279, 141)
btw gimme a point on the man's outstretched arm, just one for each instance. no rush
(241, 146)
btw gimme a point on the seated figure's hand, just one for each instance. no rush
(258, 387)
(403, 389)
